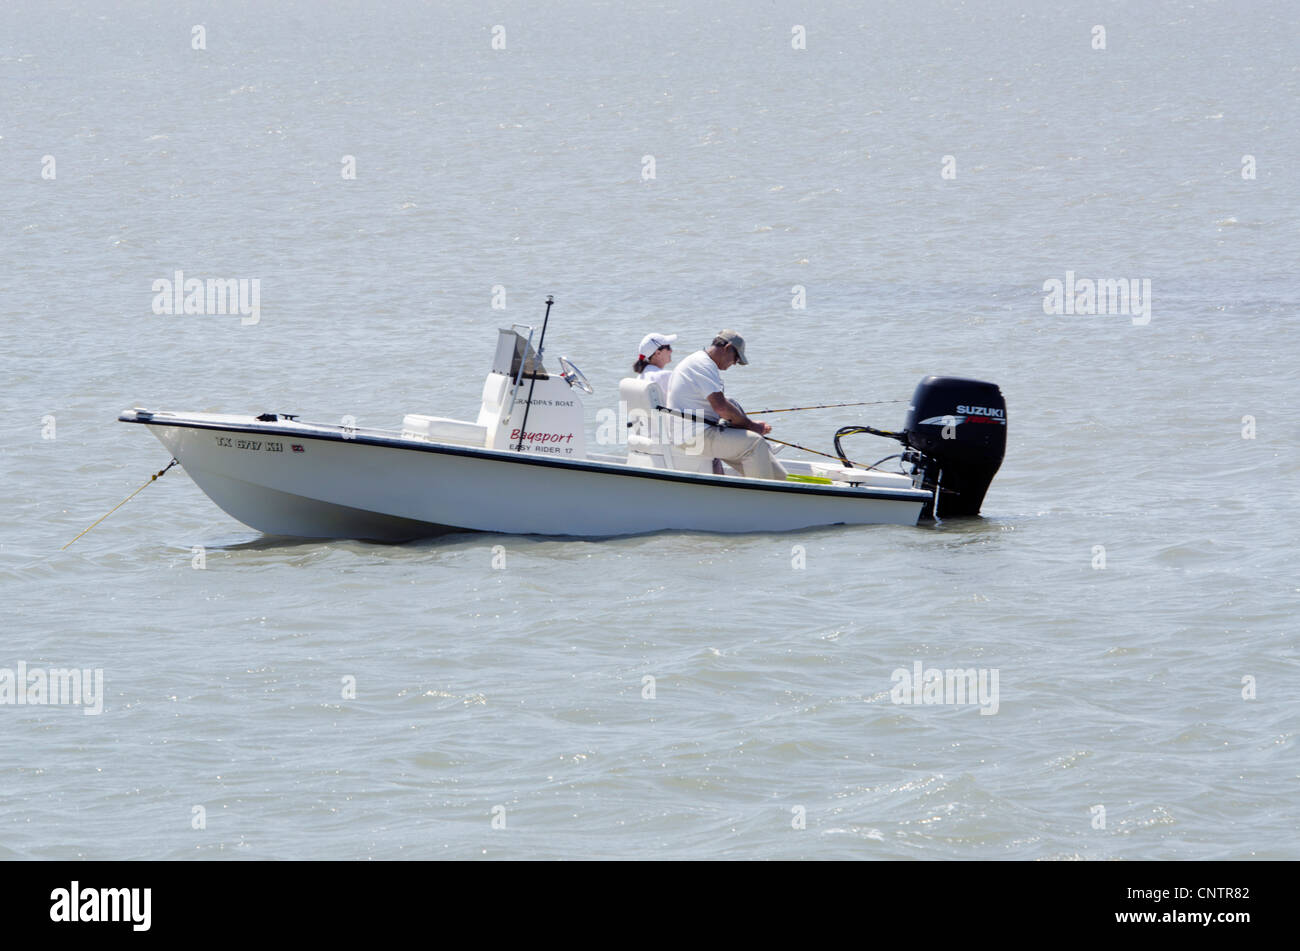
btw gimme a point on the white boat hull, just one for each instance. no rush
(306, 480)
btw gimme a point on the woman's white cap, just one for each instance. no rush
(652, 342)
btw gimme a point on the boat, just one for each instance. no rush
(523, 465)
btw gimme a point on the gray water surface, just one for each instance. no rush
(519, 693)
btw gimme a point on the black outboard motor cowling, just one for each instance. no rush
(957, 432)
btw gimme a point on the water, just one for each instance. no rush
(519, 693)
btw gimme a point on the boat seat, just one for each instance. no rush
(857, 476)
(649, 430)
(444, 430)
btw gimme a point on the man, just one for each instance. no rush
(696, 388)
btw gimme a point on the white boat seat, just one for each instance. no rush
(444, 430)
(856, 476)
(494, 399)
(649, 430)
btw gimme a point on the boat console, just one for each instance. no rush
(517, 386)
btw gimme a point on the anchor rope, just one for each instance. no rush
(152, 478)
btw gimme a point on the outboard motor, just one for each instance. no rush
(956, 434)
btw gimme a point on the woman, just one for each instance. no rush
(654, 355)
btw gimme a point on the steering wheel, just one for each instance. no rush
(574, 377)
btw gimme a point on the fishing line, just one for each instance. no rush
(795, 409)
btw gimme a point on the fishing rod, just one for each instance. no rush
(795, 409)
(538, 367)
(795, 445)
(722, 424)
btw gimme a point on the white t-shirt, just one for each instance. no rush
(694, 380)
(654, 374)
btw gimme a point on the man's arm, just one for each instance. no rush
(735, 416)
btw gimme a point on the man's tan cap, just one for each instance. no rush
(737, 341)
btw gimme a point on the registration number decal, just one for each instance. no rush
(252, 445)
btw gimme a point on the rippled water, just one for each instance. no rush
(520, 692)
